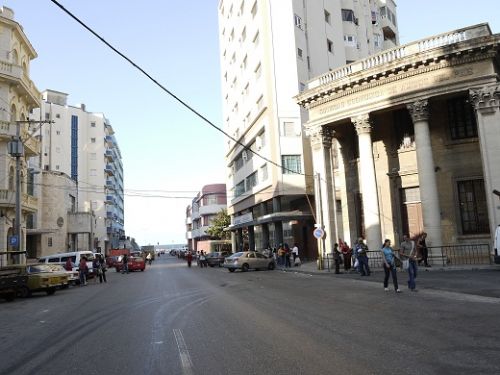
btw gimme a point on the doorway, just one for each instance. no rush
(411, 212)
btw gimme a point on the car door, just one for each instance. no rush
(261, 261)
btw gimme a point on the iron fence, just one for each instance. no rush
(456, 255)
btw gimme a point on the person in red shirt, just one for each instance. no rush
(346, 254)
(82, 271)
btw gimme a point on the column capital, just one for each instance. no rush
(486, 98)
(362, 124)
(321, 137)
(419, 110)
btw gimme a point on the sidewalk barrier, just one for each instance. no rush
(458, 255)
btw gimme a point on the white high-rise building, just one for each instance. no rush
(269, 51)
(82, 146)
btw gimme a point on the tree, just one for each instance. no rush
(221, 221)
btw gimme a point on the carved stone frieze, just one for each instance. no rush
(419, 110)
(362, 124)
(486, 98)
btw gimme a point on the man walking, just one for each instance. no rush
(362, 253)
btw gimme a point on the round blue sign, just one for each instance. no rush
(13, 240)
(318, 233)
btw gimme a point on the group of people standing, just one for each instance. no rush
(284, 256)
(410, 254)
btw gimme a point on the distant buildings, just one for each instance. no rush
(269, 51)
(81, 146)
(200, 214)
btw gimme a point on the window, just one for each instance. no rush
(302, 86)
(251, 181)
(244, 63)
(327, 16)
(377, 40)
(244, 35)
(49, 241)
(256, 39)
(210, 200)
(350, 40)
(299, 53)
(93, 204)
(238, 163)
(263, 172)
(254, 9)
(461, 119)
(291, 164)
(348, 15)
(260, 103)
(298, 21)
(240, 189)
(92, 124)
(58, 132)
(47, 115)
(231, 36)
(58, 115)
(289, 129)
(258, 71)
(473, 208)
(329, 45)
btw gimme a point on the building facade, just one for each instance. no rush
(200, 214)
(82, 145)
(18, 96)
(418, 135)
(269, 51)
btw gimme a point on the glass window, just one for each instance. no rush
(461, 119)
(298, 21)
(263, 171)
(240, 189)
(329, 45)
(251, 181)
(473, 208)
(289, 129)
(327, 16)
(348, 15)
(291, 164)
(254, 9)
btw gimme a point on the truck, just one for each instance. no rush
(149, 249)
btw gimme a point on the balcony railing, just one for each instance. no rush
(401, 52)
(110, 170)
(8, 199)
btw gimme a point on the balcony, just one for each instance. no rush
(109, 169)
(110, 183)
(110, 155)
(109, 140)
(20, 82)
(31, 144)
(109, 230)
(110, 199)
(28, 202)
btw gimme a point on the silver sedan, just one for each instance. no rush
(246, 260)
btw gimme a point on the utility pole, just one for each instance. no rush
(16, 149)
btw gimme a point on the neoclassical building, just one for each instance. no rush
(408, 140)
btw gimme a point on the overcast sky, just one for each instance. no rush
(167, 151)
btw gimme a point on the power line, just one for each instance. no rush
(183, 103)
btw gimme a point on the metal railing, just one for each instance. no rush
(457, 255)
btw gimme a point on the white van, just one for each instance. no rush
(496, 246)
(75, 257)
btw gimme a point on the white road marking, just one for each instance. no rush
(187, 365)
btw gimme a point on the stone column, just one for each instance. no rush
(234, 242)
(486, 103)
(321, 142)
(431, 210)
(240, 239)
(265, 235)
(368, 182)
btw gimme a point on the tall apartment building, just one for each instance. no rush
(18, 96)
(81, 145)
(269, 51)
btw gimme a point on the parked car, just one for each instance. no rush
(111, 261)
(134, 264)
(11, 281)
(217, 258)
(73, 277)
(41, 278)
(246, 260)
(74, 256)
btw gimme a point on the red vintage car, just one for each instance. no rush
(134, 264)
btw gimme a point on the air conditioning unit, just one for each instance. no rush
(244, 155)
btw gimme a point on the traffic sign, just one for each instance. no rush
(13, 240)
(318, 233)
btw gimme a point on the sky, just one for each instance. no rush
(167, 151)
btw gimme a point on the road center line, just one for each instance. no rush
(187, 365)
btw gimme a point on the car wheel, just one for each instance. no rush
(231, 269)
(271, 266)
(245, 267)
(212, 265)
(24, 292)
(10, 297)
(142, 269)
(51, 291)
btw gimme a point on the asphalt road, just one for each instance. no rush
(172, 319)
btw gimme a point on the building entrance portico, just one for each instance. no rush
(418, 127)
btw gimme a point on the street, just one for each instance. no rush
(172, 319)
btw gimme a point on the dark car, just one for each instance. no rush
(217, 258)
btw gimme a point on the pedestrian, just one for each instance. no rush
(423, 251)
(189, 258)
(69, 264)
(100, 268)
(389, 266)
(125, 263)
(362, 257)
(281, 255)
(336, 257)
(295, 251)
(408, 252)
(288, 252)
(149, 258)
(82, 271)
(346, 254)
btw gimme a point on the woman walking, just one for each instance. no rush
(389, 266)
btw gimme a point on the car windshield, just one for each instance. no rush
(236, 255)
(39, 268)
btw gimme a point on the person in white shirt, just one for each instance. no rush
(295, 254)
